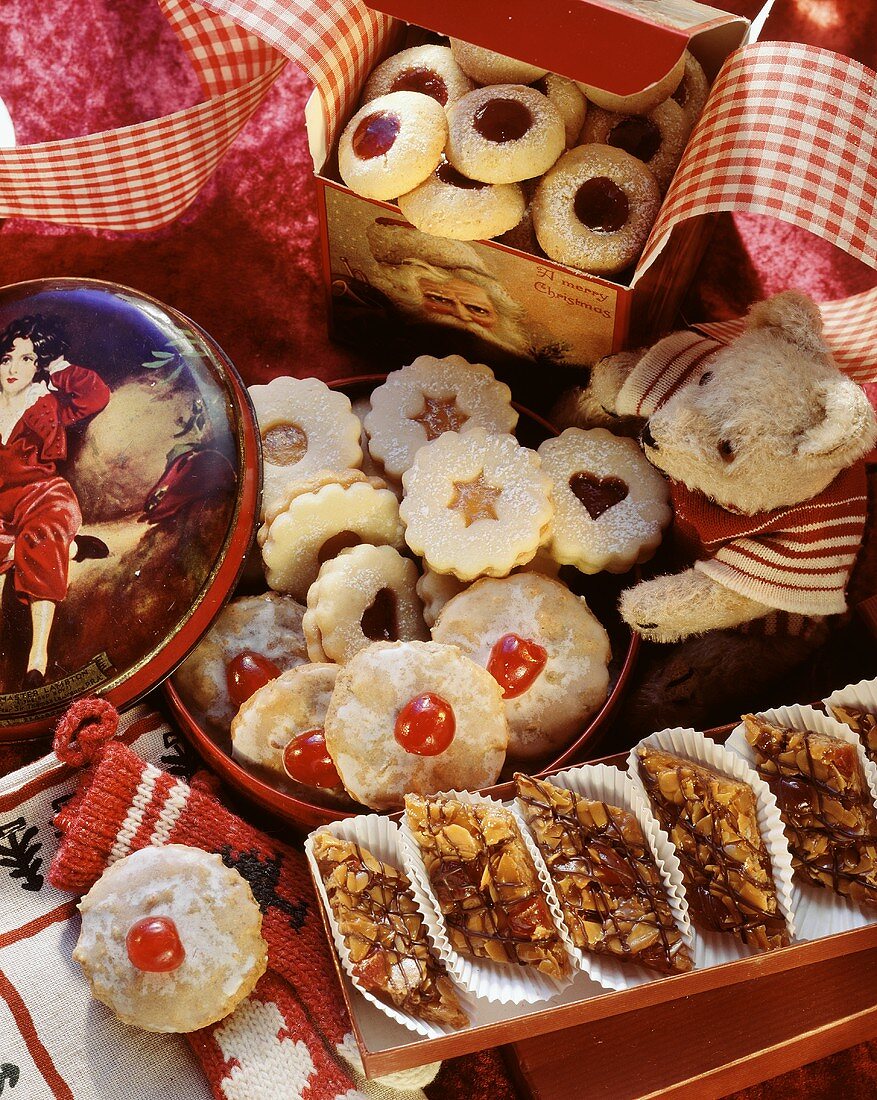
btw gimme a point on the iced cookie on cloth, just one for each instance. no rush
(171, 939)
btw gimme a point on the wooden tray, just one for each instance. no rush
(387, 1047)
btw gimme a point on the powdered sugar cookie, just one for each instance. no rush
(370, 466)
(392, 144)
(367, 594)
(171, 939)
(544, 647)
(269, 626)
(611, 504)
(321, 518)
(488, 67)
(475, 504)
(279, 730)
(430, 70)
(503, 134)
(429, 397)
(448, 204)
(595, 208)
(414, 717)
(656, 137)
(693, 89)
(638, 101)
(567, 98)
(305, 427)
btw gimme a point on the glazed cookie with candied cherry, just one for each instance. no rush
(321, 518)
(414, 717)
(305, 427)
(367, 594)
(476, 504)
(429, 397)
(611, 504)
(544, 647)
(171, 939)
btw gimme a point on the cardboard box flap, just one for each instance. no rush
(623, 46)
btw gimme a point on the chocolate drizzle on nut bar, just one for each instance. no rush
(383, 929)
(825, 803)
(486, 884)
(608, 884)
(711, 819)
(863, 723)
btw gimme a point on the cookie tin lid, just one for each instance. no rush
(129, 493)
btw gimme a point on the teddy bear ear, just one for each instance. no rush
(792, 316)
(847, 429)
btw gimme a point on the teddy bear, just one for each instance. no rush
(762, 441)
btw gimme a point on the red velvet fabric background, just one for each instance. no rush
(243, 260)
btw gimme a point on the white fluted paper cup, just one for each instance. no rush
(862, 695)
(715, 948)
(602, 783)
(818, 910)
(380, 836)
(505, 983)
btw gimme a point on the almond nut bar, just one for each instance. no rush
(863, 723)
(712, 821)
(383, 929)
(486, 884)
(825, 803)
(609, 885)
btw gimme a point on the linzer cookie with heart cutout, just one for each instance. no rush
(611, 505)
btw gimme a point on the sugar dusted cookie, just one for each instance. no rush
(567, 98)
(171, 939)
(693, 89)
(435, 589)
(488, 67)
(392, 144)
(611, 504)
(430, 70)
(279, 730)
(370, 466)
(656, 137)
(504, 133)
(449, 204)
(269, 626)
(305, 427)
(544, 647)
(321, 518)
(431, 396)
(414, 716)
(475, 504)
(367, 594)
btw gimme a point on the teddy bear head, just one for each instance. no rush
(770, 421)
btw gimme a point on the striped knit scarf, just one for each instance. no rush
(796, 559)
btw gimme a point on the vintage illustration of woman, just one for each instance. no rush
(41, 396)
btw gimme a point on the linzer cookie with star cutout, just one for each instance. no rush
(486, 883)
(384, 933)
(607, 881)
(826, 805)
(712, 820)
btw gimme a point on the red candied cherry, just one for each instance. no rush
(515, 663)
(154, 945)
(306, 760)
(246, 673)
(425, 725)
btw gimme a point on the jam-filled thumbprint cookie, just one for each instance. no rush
(430, 70)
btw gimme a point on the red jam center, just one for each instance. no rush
(419, 79)
(447, 173)
(379, 620)
(598, 494)
(246, 673)
(306, 760)
(153, 945)
(601, 205)
(375, 135)
(502, 120)
(515, 663)
(426, 725)
(636, 135)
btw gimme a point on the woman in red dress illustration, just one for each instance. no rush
(41, 395)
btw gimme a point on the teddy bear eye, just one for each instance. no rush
(726, 449)
(704, 378)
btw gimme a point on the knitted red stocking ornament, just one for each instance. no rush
(286, 1033)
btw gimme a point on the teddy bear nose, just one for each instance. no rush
(647, 439)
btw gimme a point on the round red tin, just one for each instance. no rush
(129, 491)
